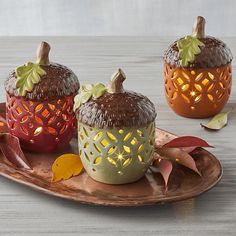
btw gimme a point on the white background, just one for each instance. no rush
(115, 17)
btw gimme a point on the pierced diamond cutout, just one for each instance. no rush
(134, 141)
(104, 142)
(45, 113)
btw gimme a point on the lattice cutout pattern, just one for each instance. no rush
(41, 126)
(197, 93)
(116, 156)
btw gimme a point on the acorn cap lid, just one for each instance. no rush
(55, 82)
(117, 107)
(213, 52)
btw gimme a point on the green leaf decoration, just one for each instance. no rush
(87, 92)
(98, 90)
(188, 47)
(217, 122)
(28, 75)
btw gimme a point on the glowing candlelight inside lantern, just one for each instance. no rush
(199, 85)
(41, 114)
(193, 93)
(116, 146)
(39, 130)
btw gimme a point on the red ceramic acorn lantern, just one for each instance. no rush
(198, 74)
(39, 107)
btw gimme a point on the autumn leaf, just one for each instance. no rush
(3, 125)
(217, 122)
(87, 92)
(66, 166)
(11, 150)
(28, 75)
(186, 141)
(188, 47)
(189, 150)
(177, 150)
(179, 156)
(165, 167)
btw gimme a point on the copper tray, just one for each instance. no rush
(183, 183)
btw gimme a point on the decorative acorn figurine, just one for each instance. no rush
(198, 74)
(116, 131)
(40, 103)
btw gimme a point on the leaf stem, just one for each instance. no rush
(199, 27)
(116, 82)
(43, 54)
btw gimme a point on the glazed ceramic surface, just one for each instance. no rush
(150, 189)
(118, 155)
(197, 92)
(41, 126)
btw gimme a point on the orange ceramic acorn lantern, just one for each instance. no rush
(40, 103)
(198, 74)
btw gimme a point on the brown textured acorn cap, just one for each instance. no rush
(117, 108)
(58, 82)
(215, 53)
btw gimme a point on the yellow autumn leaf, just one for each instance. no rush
(66, 166)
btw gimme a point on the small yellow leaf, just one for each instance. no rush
(217, 122)
(66, 166)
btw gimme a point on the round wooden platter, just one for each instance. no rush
(183, 183)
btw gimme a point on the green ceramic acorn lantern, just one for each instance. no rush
(116, 131)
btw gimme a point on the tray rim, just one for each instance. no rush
(117, 203)
(124, 204)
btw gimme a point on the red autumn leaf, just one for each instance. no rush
(10, 148)
(180, 156)
(186, 141)
(188, 149)
(2, 112)
(3, 125)
(177, 150)
(165, 167)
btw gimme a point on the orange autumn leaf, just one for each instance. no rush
(66, 166)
